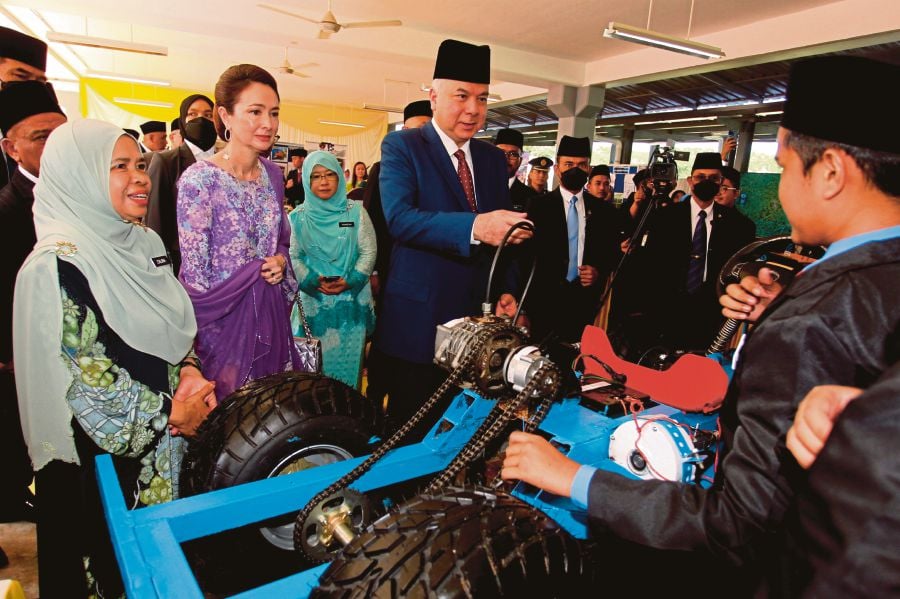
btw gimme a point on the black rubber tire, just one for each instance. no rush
(247, 437)
(468, 542)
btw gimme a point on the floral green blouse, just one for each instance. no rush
(120, 399)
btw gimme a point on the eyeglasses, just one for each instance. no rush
(731, 188)
(512, 154)
(323, 176)
(702, 177)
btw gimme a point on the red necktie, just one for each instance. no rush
(465, 179)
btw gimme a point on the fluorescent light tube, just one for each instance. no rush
(343, 124)
(128, 78)
(138, 102)
(658, 40)
(383, 108)
(107, 44)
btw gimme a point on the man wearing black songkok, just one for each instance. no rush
(446, 202)
(577, 241)
(199, 134)
(686, 245)
(29, 112)
(821, 534)
(175, 139)
(512, 143)
(293, 182)
(22, 58)
(154, 138)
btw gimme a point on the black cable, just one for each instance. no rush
(523, 224)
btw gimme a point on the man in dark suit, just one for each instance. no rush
(199, 135)
(29, 112)
(445, 199)
(512, 143)
(599, 183)
(22, 58)
(293, 183)
(687, 245)
(576, 242)
(828, 532)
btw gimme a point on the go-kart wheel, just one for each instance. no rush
(277, 425)
(470, 542)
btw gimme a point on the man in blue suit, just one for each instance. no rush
(445, 200)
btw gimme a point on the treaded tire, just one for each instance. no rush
(465, 542)
(257, 432)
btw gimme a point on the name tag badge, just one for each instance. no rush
(347, 224)
(160, 261)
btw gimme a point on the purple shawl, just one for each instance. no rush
(244, 324)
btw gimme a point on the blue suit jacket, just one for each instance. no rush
(436, 274)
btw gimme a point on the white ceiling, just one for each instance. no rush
(535, 43)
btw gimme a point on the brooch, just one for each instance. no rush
(66, 248)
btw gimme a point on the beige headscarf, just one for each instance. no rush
(143, 303)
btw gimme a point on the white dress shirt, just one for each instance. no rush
(579, 207)
(28, 175)
(451, 148)
(695, 214)
(198, 153)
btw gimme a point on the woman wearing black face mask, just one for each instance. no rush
(199, 133)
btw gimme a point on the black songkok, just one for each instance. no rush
(577, 147)
(153, 127)
(865, 118)
(510, 137)
(460, 61)
(600, 169)
(22, 99)
(24, 48)
(417, 108)
(707, 160)
(301, 152)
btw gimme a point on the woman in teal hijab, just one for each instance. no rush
(333, 253)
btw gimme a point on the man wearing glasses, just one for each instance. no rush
(731, 187)
(512, 142)
(687, 245)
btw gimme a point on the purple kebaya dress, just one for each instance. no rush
(226, 227)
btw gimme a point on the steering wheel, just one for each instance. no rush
(778, 253)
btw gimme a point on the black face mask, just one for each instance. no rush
(574, 179)
(706, 190)
(201, 132)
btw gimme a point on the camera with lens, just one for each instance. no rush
(664, 171)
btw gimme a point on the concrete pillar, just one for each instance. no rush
(627, 141)
(576, 108)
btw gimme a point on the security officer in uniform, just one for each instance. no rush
(539, 174)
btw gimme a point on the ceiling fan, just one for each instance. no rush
(329, 24)
(287, 68)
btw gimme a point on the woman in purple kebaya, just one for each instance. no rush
(234, 239)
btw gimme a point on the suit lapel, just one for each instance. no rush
(442, 163)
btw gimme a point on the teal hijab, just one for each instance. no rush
(322, 226)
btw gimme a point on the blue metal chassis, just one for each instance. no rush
(148, 541)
